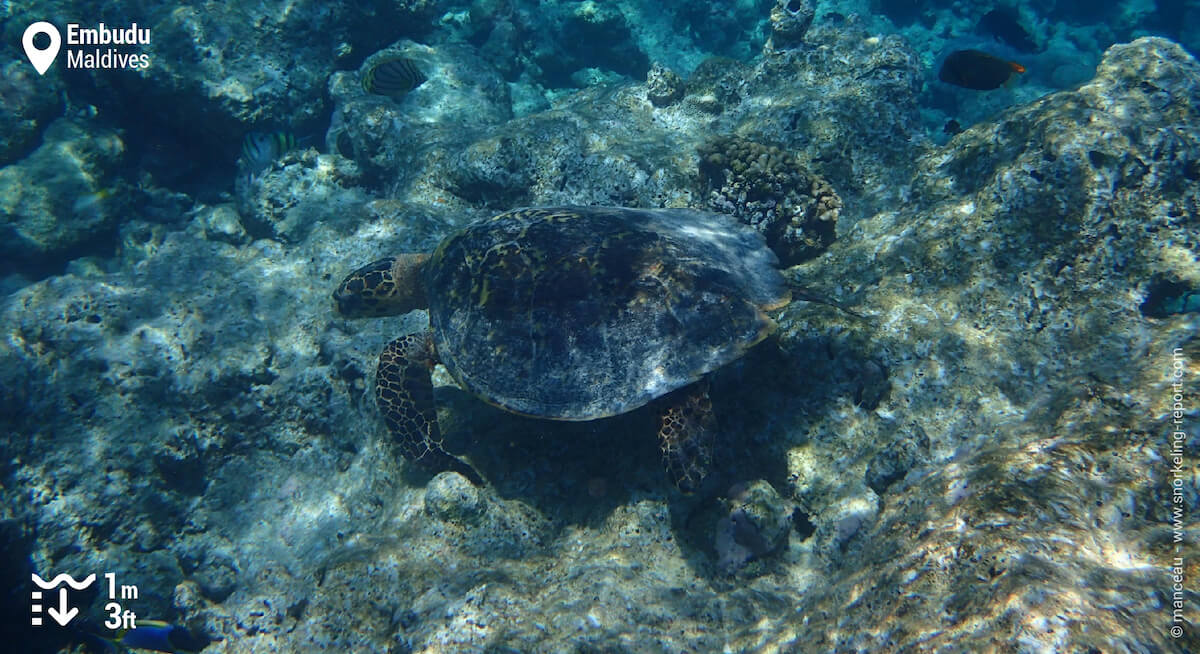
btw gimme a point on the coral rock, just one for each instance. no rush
(663, 86)
(790, 19)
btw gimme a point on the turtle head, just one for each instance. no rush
(387, 287)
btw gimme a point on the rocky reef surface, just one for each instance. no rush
(982, 459)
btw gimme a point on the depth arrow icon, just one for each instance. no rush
(62, 615)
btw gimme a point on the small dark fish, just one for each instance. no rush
(1003, 24)
(952, 127)
(975, 69)
(393, 77)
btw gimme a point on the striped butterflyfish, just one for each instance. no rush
(393, 77)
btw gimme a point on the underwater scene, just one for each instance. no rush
(600, 326)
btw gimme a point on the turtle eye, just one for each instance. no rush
(354, 298)
(347, 303)
(360, 293)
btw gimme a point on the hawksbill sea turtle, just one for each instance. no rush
(573, 313)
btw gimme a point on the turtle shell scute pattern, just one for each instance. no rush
(583, 313)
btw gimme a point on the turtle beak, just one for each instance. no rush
(348, 303)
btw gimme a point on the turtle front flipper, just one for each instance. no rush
(686, 430)
(404, 394)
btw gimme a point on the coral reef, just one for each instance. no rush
(219, 70)
(28, 106)
(663, 86)
(729, 29)
(448, 143)
(599, 34)
(757, 523)
(64, 200)
(286, 201)
(889, 465)
(790, 19)
(394, 141)
(767, 188)
(185, 411)
(717, 83)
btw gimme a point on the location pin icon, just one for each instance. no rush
(41, 59)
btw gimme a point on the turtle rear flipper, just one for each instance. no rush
(686, 430)
(404, 393)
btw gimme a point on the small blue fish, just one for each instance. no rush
(91, 203)
(152, 635)
(162, 637)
